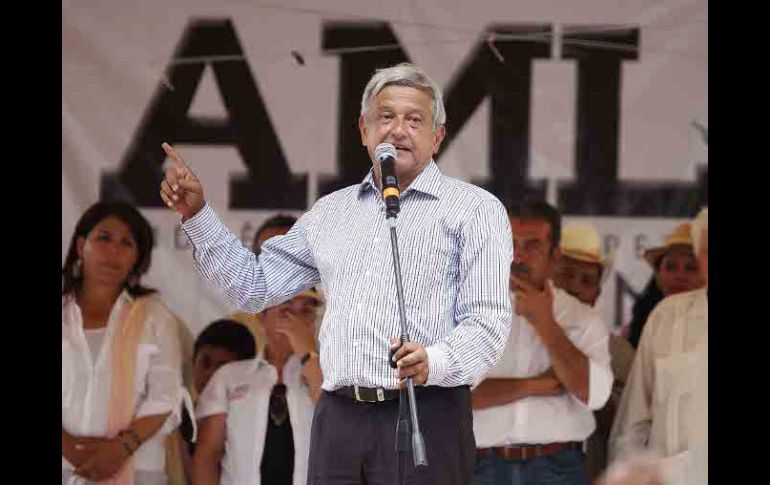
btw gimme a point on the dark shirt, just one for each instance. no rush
(278, 458)
(187, 431)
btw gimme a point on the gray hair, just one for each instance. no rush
(405, 74)
(700, 223)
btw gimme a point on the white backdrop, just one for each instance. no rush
(114, 55)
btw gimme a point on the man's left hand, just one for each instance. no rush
(531, 303)
(412, 361)
(108, 457)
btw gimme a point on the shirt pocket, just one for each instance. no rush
(672, 394)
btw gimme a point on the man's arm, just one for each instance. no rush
(498, 391)
(211, 414)
(209, 449)
(583, 367)
(569, 364)
(284, 269)
(483, 305)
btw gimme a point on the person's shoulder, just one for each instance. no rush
(238, 375)
(680, 301)
(468, 191)
(340, 195)
(239, 369)
(157, 308)
(665, 316)
(329, 205)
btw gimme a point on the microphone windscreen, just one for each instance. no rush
(385, 150)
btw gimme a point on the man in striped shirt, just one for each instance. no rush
(455, 250)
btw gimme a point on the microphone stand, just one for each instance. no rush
(407, 397)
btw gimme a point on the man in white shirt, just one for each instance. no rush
(659, 411)
(255, 415)
(534, 408)
(581, 271)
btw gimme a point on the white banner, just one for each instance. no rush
(598, 105)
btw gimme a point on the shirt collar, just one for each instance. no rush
(428, 181)
(123, 299)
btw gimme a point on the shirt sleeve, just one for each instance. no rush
(483, 308)
(164, 372)
(213, 399)
(284, 268)
(594, 344)
(633, 421)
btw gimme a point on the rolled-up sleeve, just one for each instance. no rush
(483, 309)
(595, 344)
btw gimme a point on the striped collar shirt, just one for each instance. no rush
(455, 250)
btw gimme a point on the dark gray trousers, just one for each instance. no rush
(355, 443)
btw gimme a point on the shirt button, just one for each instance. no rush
(355, 343)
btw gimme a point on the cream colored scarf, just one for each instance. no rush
(125, 344)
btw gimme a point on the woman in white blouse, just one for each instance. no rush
(121, 364)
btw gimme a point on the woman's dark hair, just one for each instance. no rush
(140, 230)
(229, 335)
(650, 297)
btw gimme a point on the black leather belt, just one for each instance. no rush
(367, 394)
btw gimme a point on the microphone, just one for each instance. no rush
(386, 154)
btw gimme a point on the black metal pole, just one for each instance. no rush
(418, 446)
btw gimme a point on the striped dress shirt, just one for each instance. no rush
(455, 249)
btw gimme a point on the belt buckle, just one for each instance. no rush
(380, 395)
(523, 452)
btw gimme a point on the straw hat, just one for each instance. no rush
(681, 236)
(700, 223)
(583, 243)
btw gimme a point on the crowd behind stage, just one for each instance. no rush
(644, 397)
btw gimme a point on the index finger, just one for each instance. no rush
(173, 155)
(406, 349)
(412, 359)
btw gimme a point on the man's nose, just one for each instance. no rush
(398, 130)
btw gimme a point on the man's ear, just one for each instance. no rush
(363, 128)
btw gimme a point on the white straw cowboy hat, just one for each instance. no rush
(700, 223)
(583, 243)
(680, 236)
